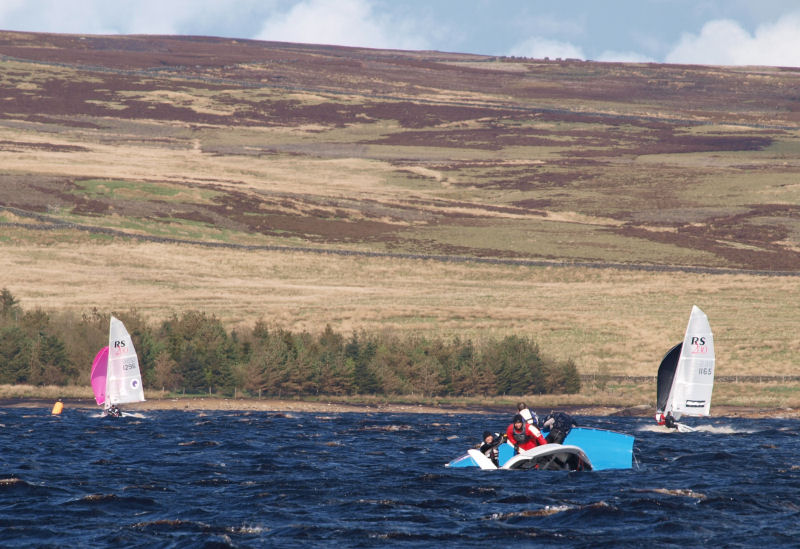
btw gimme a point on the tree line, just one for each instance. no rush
(193, 352)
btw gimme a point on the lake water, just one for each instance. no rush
(258, 479)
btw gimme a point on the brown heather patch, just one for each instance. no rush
(16, 146)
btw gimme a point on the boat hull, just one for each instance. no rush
(584, 449)
(551, 457)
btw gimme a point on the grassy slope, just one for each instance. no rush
(260, 144)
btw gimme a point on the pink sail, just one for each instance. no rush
(98, 377)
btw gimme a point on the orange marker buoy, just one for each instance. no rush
(57, 407)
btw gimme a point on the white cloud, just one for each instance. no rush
(343, 23)
(539, 48)
(725, 42)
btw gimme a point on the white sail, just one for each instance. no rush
(123, 378)
(694, 375)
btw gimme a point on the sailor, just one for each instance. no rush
(489, 448)
(113, 411)
(559, 424)
(524, 436)
(667, 421)
(527, 414)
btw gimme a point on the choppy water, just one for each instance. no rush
(194, 479)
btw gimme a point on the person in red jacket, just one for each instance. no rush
(523, 436)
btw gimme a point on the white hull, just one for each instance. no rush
(482, 461)
(586, 449)
(551, 457)
(679, 428)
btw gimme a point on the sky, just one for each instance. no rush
(712, 32)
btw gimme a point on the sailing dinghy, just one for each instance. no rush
(116, 378)
(550, 457)
(686, 375)
(584, 449)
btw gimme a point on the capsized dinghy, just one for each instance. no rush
(686, 375)
(550, 457)
(115, 375)
(584, 449)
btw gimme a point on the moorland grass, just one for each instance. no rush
(607, 320)
(564, 189)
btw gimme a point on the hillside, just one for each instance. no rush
(242, 147)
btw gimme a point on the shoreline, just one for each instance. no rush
(195, 404)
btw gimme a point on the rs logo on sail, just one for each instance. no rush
(119, 347)
(698, 345)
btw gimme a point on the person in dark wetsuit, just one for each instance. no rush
(559, 424)
(489, 448)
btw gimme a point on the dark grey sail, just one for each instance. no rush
(666, 373)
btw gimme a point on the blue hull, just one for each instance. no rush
(605, 449)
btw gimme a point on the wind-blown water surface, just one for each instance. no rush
(255, 479)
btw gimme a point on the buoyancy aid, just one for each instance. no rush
(520, 436)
